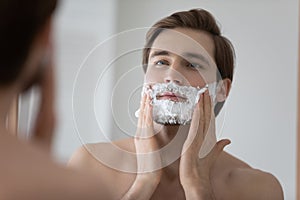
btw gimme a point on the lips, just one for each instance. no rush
(170, 96)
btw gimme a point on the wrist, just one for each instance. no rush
(199, 193)
(201, 190)
(150, 179)
(142, 188)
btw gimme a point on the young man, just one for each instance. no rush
(184, 51)
(26, 170)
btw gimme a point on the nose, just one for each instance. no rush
(173, 75)
(169, 79)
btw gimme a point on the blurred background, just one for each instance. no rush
(259, 116)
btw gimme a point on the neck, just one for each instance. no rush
(166, 133)
(170, 139)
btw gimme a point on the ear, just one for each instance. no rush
(222, 90)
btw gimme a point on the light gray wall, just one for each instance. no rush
(79, 26)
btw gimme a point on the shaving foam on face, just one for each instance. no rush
(166, 111)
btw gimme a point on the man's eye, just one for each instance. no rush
(195, 65)
(161, 62)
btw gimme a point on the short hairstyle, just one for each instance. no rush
(20, 21)
(196, 19)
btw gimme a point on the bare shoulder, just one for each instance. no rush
(249, 183)
(97, 155)
(108, 162)
(256, 184)
(82, 158)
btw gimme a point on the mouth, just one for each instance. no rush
(170, 96)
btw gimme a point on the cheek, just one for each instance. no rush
(198, 78)
(154, 75)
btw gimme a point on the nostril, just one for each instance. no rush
(167, 80)
(172, 80)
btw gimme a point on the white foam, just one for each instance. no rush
(175, 112)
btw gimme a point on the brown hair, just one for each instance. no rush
(197, 19)
(20, 21)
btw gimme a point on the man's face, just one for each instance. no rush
(180, 64)
(183, 56)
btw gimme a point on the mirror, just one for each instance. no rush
(260, 113)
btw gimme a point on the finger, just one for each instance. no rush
(198, 141)
(142, 110)
(145, 142)
(218, 148)
(145, 118)
(195, 122)
(207, 112)
(149, 120)
(201, 128)
(146, 121)
(192, 138)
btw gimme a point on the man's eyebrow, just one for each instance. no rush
(187, 55)
(159, 53)
(197, 56)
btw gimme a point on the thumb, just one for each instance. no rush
(218, 148)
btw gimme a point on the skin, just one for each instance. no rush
(214, 175)
(27, 170)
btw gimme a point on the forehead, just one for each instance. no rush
(182, 40)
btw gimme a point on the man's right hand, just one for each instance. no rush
(148, 158)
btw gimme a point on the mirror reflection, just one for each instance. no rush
(102, 70)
